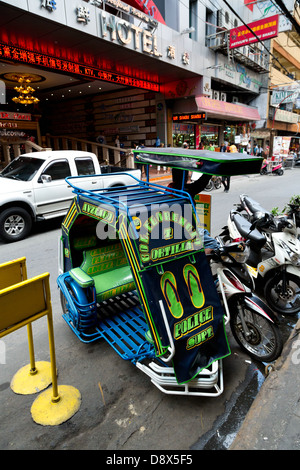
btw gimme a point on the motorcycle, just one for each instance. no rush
(253, 211)
(252, 322)
(274, 259)
(275, 170)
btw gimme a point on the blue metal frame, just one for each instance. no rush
(124, 331)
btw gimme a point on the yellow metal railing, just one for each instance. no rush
(23, 301)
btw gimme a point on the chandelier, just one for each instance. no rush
(25, 91)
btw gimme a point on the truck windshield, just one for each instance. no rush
(22, 168)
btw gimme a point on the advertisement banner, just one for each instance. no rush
(281, 96)
(281, 146)
(203, 209)
(264, 29)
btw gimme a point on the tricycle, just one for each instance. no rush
(133, 272)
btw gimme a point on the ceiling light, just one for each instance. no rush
(25, 91)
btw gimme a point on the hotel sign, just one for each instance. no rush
(128, 34)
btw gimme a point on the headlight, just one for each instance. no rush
(238, 256)
(295, 259)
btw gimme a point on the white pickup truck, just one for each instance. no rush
(33, 187)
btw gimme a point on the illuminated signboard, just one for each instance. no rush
(15, 116)
(264, 29)
(189, 117)
(66, 66)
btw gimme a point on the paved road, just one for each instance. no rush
(131, 414)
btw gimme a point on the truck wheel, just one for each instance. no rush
(15, 224)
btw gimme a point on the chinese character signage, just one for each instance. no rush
(34, 58)
(264, 29)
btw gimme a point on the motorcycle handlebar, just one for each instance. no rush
(262, 222)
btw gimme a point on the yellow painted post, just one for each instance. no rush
(55, 395)
(33, 369)
(23, 382)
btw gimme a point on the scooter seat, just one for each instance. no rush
(255, 208)
(244, 227)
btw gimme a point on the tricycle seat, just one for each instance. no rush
(107, 270)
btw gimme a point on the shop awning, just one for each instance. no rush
(223, 109)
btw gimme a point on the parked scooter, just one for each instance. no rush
(275, 170)
(252, 322)
(273, 262)
(253, 211)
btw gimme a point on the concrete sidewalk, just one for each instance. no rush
(273, 421)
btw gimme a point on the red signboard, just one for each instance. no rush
(148, 7)
(249, 4)
(264, 29)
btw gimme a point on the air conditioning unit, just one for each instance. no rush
(246, 51)
(219, 41)
(223, 96)
(235, 99)
(215, 95)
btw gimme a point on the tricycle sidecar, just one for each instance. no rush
(134, 272)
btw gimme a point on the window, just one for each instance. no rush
(85, 166)
(193, 14)
(58, 170)
(210, 30)
(23, 168)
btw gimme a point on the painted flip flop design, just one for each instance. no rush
(193, 283)
(169, 288)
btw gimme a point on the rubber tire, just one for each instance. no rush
(267, 294)
(15, 211)
(209, 186)
(218, 182)
(278, 342)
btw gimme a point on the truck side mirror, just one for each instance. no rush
(46, 178)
